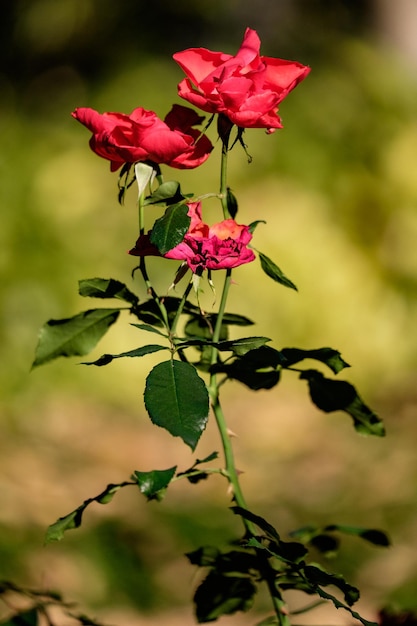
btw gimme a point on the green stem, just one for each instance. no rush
(180, 309)
(223, 177)
(231, 470)
(142, 264)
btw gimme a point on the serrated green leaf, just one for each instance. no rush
(176, 399)
(167, 193)
(211, 457)
(106, 288)
(257, 520)
(55, 531)
(338, 395)
(234, 319)
(105, 359)
(169, 230)
(150, 329)
(239, 347)
(108, 494)
(153, 484)
(274, 272)
(290, 552)
(321, 578)
(73, 520)
(257, 369)
(340, 605)
(74, 336)
(193, 475)
(332, 358)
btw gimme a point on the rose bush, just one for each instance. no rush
(247, 87)
(142, 136)
(217, 247)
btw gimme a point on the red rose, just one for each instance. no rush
(217, 247)
(247, 87)
(142, 136)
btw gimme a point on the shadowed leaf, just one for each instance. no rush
(223, 595)
(332, 358)
(74, 336)
(338, 395)
(106, 288)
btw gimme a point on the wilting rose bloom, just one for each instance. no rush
(247, 87)
(142, 136)
(217, 247)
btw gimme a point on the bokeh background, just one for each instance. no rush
(338, 189)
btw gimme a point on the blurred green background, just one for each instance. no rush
(338, 189)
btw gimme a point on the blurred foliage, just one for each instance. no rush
(339, 194)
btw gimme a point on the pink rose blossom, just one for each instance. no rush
(247, 87)
(217, 247)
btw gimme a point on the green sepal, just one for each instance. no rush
(338, 395)
(232, 205)
(106, 288)
(273, 271)
(176, 399)
(150, 312)
(73, 336)
(169, 230)
(154, 484)
(254, 225)
(125, 180)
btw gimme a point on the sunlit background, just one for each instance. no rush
(338, 190)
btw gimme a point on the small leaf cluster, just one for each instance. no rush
(175, 396)
(233, 575)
